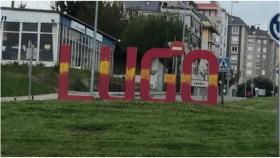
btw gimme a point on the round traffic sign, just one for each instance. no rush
(274, 27)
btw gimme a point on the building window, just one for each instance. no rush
(26, 37)
(235, 39)
(263, 72)
(233, 57)
(10, 46)
(47, 36)
(249, 64)
(264, 56)
(250, 42)
(11, 26)
(33, 27)
(235, 29)
(259, 49)
(264, 50)
(46, 47)
(264, 41)
(249, 72)
(47, 27)
(249, 56)
(250, 48)
(259, 41)
(234, 48)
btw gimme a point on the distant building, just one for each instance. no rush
(236, 47)
(209, 32)
(216, 13)
(261, 54)
(48, 30)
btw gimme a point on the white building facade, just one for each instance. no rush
(47, 31)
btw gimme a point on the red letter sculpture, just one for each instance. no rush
(64, 76)
(170, 79)
(212, 78)
(129, 78)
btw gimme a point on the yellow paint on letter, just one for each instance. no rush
(63, 68)
(145, 73)
(104, 67)
(130, 73)
(213, 80)
(186, 79)
(169, 78)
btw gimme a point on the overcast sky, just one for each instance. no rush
(251, 12)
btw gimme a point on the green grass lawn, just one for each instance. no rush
(53, 128)
(14, 80)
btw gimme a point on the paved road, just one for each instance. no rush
(54, 96)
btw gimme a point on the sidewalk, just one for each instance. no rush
(54, 96)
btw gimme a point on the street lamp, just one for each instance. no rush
(183, 38)
(232, 6)
(94, 50)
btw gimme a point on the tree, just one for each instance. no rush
(109, 14)
(150, 32)
(259, 82)
(70, 7)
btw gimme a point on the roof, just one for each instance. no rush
(143, 5)
(207, 6)
(59, 12)
(256, 31)
(234, 20)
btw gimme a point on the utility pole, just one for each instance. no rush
(94, 50)
(30, 51)
(183, 39)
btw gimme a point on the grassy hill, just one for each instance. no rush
(98, 128)
(14, 80)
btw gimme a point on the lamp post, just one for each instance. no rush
(231, 6)
(94, 50)
(183, 38)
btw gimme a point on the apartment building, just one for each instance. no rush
(236, 48)
(216, 13)
(261, 55)
(209, 33)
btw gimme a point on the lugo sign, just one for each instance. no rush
(149, 56)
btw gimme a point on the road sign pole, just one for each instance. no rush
(228, 75)
(252, 86)
(275, 34)
(224, 66)
(223, 76)
(30, 69)
(278, 112)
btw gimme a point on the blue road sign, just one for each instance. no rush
(274, 27)
(224, 64)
